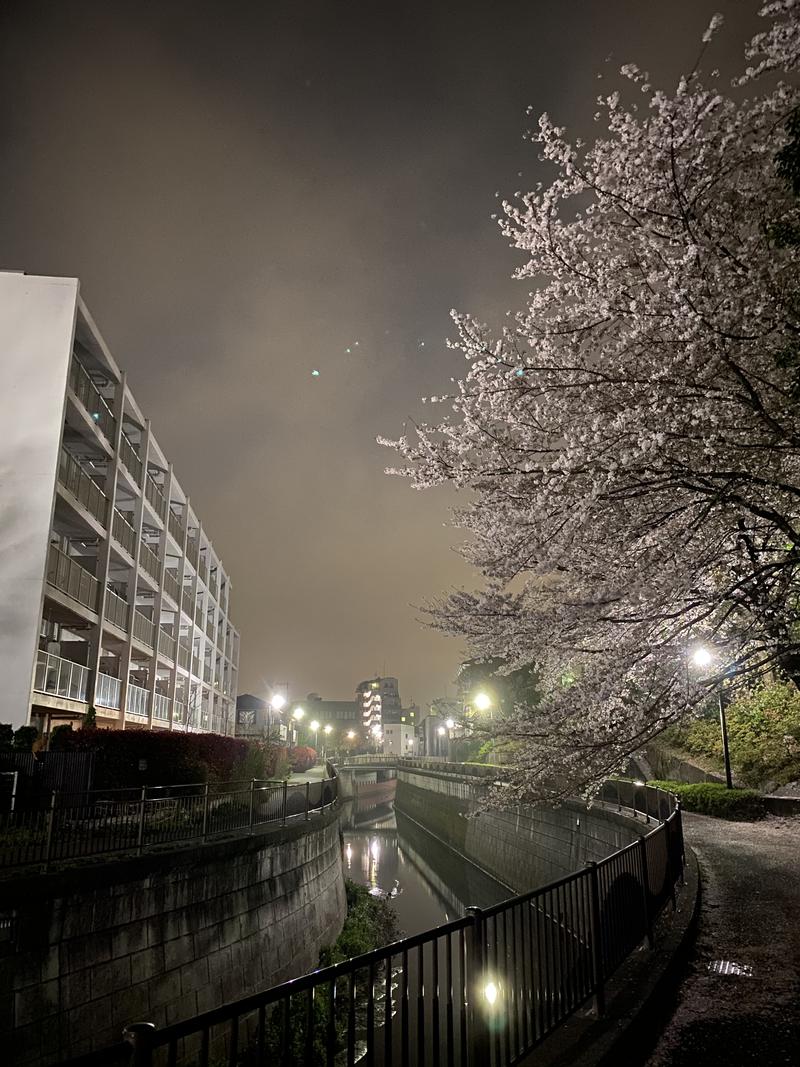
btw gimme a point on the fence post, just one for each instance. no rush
(475, 966)
(308, 800)
(140, 834)
(205, 810)
(51, 818)
(285, 798)
(646, 891)
(140, 1037)
(252, 802)
(597, 942)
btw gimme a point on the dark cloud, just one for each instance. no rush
(245, 191)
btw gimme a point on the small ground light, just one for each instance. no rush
(491, 992)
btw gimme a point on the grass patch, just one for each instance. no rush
(713, 798)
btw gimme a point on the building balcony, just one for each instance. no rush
(176, 527)
(184, 656)
(73, 478)
(69, 577)
(124, 534)
(143, 629)
(166, 644)
(179, 713)
(130, 459)
(117, 611)
(136, 703)
(155, 497)
(60, 677)
(160, 707)
(171, 587)
(107, 691)
(90, 397)
(149, 562)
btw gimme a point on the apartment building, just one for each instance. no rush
(112, 595)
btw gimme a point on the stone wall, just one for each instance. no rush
(524, 847)
(162, 937)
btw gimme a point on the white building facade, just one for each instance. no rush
(111, 593)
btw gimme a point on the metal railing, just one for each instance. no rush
(117, 610)
(74, 478)
(103, 822)
(160, 707)
(90, 396)
(480, 991)
(107, 691)
(171, 585)
(176, 527)
(123, 532)
(60, 677)
(179, 712)
(187, 601)
(184, 655)
(152, 490)
(149, 561)
(68, 576)
(130, 457)
(143, 629)
(166, 643)
(136, 701)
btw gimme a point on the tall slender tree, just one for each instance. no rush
(631, 444)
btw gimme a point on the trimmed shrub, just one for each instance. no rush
(714, 798)
(130, 758)
(302, 758)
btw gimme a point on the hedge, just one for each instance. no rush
(714, 798)
(170, 758)
(302, 758)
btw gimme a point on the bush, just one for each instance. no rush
(302, 758)
(763, 735)
(168, 758)
(713, 798)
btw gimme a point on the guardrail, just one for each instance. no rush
(480, 991)
(69, 826)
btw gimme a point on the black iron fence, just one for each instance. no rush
(481, 991)
(65, 825)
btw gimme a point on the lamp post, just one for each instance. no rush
(297, 715)
(276, 703)
(314, 725)
(702, 657)
(326, 730)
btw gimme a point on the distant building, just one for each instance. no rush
(399, 739)
(257, 718)
(343, 715)
(112, 595)
(378, 701)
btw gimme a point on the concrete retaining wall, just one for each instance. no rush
(162, 937)
(523, 848)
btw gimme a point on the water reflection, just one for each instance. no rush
(394, 857)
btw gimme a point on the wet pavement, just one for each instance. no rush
(739, 1003)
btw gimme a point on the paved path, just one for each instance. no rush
(313, 774)
(751, 916)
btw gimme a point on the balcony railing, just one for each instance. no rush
(124, 533)
(210, 627)
(175, 526)
(143, 629)
(68, 576)
(130, 457)
(117, 613)
(171, 585)
(184, 656)
(198, 614)
(137, 700)
(193, 550)
(160, 707)
(166, 643)
(89, 395)
(179, 712)
(107, 691)
(207, 673)
(74, 478)
(60, 677)
(153, 493)
(187, 600)
(202, 570)
(149, 561)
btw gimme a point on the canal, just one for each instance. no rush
(427, 882)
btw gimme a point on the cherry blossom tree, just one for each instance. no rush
(629, 445)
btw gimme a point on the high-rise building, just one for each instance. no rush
(379, 701)
(112, 595)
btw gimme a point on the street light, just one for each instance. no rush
(275, 703)
(450, 723)
(297, 715)
(482, 701)
(326, 730)
(314, 725)
(702, 657)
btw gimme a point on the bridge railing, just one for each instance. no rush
(481, 991)
(103, 822)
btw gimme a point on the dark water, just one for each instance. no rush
(428, 883)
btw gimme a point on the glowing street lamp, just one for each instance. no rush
(278, 701)
(450, 723)
(482, 701)
(703, 657)
(441, 731)
(298, 713)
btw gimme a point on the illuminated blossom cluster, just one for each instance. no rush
(629, 446)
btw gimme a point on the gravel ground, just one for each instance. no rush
(750, 916)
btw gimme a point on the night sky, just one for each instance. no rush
(249, 190)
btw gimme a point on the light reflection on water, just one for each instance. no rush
(427, 882)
